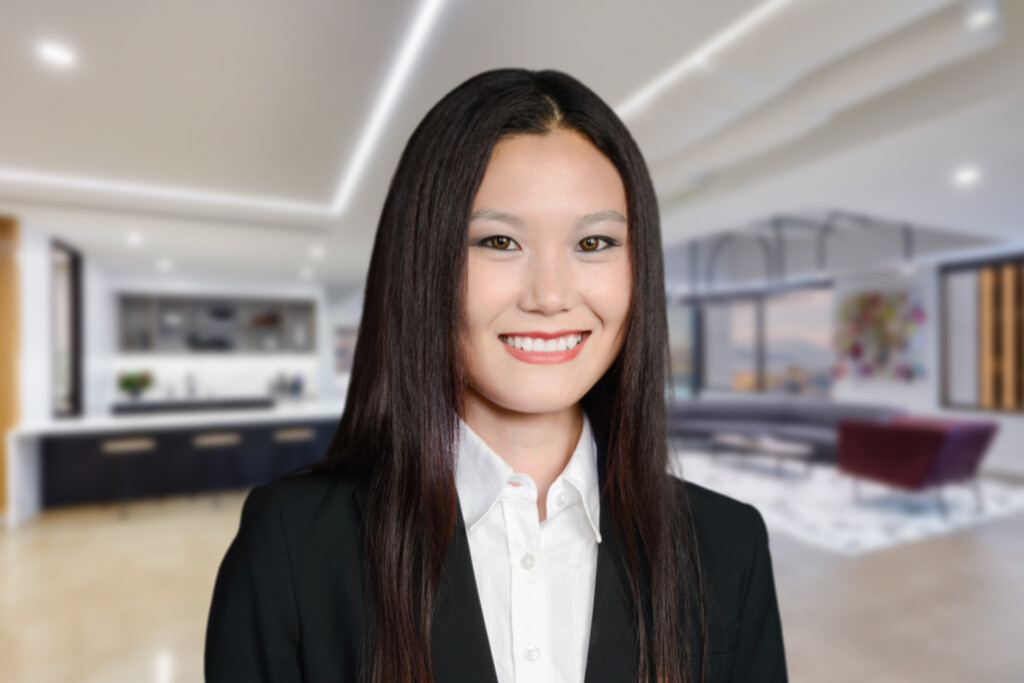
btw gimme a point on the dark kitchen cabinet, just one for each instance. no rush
(126, 465)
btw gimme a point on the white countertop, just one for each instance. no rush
(283, 411)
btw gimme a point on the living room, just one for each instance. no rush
(846, 322)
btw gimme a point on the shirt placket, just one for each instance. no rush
(528, 591)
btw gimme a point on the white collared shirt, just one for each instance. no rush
(535, 579)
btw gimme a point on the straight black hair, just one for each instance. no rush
(399, 427)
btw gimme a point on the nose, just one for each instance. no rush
(549, 287)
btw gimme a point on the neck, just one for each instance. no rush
(536, 444)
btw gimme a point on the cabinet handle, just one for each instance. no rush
(216, 439)
(127, 446)
(294, 435)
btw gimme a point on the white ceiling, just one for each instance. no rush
(268, 100)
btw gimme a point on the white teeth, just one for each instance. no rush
(569, 341)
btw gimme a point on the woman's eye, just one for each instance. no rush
(594, 243)
(499, 242)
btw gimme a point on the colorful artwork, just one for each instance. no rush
(878, 335)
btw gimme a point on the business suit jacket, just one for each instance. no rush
(288, 602)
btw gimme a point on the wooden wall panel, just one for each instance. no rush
(1009, 360)
(10, 334)
(986, 332)
(1018, 377)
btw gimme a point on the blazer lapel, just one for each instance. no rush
(610, 653)
(459, 645)
(458, 641)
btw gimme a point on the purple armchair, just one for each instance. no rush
(915, 453)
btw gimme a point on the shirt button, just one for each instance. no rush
(562, 499)
(531, 653)
(528, 561)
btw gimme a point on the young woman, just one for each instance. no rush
(495, 504)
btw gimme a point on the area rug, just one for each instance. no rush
(815, 504)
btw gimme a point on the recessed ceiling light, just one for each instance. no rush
(135, 238)
(316, 252)
(165, 265)
(58, 55)
(980, 18)
(981, 14)
(966, 176)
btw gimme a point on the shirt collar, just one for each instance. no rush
(481, 475)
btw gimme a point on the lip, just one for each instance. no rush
(546, 357)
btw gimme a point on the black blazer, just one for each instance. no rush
(288, 601)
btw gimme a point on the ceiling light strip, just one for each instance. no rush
(428, 11)
(699, 57)
(116, 187)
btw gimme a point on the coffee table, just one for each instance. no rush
(764, 444)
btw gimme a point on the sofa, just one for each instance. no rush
(916, 453)
(811, 422)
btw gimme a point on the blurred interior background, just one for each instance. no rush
(188, 197)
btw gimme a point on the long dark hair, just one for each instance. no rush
(399, 427)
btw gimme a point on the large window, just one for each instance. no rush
(983, 326)
(682, 338)
(777, 342)
(731, 344)
(798, 342)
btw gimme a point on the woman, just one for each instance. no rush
(495, 504)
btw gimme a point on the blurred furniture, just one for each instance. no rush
(779, 449)
(61, 462)
(800, 421)
(193, 405)
(916, 453)
(123, 453)
(91, 467)
(220, 454)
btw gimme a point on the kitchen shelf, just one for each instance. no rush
(163, 324)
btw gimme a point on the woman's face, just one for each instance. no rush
(548, 274)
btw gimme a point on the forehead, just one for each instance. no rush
(557, 172)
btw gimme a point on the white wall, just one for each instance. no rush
(98, 340)
(35, 364)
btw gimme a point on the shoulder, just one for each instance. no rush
(730, 534)
(714, 512)
(294, 566)
(744, 628)
(304, 506)
(313, 523)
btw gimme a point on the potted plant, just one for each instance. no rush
(134, 383)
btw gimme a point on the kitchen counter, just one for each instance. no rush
(282, 411)
(29, 445)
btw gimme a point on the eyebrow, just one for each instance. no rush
(514, 220)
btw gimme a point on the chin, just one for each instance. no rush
(532, 403)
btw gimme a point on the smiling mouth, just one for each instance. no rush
(546, 344)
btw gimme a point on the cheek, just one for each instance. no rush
(485, 295)
(610, 297)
